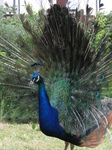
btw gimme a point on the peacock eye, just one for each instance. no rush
(9, 119)
(34, 113)
(102, 77)
(30, 118)
(87, 89)
(69, 119)
(97, 94)
(79, 99)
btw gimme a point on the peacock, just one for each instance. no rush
(60, 75)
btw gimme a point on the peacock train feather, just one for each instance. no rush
(74, 78)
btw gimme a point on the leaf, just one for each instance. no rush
(33, 126)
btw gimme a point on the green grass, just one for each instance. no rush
(23, 137)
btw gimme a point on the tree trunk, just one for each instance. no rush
(62, 2)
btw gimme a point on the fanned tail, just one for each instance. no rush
(80, 76)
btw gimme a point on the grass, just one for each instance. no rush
(23, 137)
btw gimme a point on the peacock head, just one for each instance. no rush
(36, 77)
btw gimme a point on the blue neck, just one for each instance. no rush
(48, 116)
(48, 119)
(44, 105)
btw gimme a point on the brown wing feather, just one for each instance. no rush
(94, 139)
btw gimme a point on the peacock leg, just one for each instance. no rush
(71, 146)
(66, 145)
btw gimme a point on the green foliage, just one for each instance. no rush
(35, 127)
(12, 30)
(103, 26)
(3, 53)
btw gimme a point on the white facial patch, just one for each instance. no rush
(38, 79)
